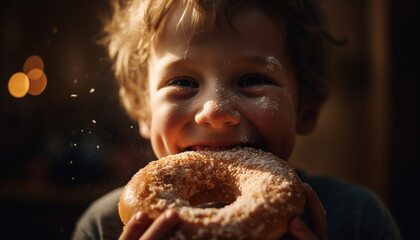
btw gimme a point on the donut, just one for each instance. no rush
(261, 193)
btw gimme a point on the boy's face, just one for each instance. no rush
(226, 87)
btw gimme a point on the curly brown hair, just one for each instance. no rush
(133, 25)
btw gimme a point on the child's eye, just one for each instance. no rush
(254, 80)
(183, 82)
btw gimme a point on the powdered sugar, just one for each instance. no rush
(272, 62)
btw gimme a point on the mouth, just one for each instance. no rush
(219, 148)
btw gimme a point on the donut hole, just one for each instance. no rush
(219, 196)
(216, 205)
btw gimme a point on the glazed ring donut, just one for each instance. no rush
(263, 193)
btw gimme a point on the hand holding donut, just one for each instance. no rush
(141, 226)
(317, 218)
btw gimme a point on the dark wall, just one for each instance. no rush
(406, 113)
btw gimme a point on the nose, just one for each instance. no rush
(218, 114)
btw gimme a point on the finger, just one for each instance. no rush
(317, 214)
(136, 226)
(162, 225)
(299, 229)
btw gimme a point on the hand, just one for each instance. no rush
(142, 227)
(317, 218)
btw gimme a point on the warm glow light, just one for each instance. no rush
(33, 62)
(32, 80)
(18, 85)
(37, 81)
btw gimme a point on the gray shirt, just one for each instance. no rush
(353, 212)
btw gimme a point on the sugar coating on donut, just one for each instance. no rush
(263, 193)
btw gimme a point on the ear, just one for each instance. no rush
(307, 117)
(144, 128)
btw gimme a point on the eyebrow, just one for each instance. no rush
(269, 60)
(261, 60)
(180, 62)
(175, 65)
(191, 64)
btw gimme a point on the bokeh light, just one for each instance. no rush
(18, 85)
(32, 80)
(33, 62)
(37, 81)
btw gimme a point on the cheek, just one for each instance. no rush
(276, 111)
(276, 120)
(168, 117)
(165, 128)
(165, 116)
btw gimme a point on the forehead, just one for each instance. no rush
(250, 25)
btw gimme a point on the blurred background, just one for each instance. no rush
(72, 142)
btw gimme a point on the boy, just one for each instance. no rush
(224, 74)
